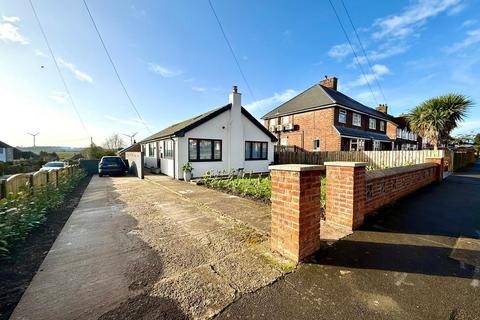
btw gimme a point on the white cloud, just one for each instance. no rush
(10, 19)
(468, 23)
(133, 122)
(273, 101)
(199, 89)
(163, 71)
(340, 51)
(59, 96)
(384, 51)
(366, 96)
(10, 32)
(473, 37)
(379, 70)
(457, 9)
(404, 24)
(80, 75)
(40, 53)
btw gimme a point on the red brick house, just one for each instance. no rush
(324, 119)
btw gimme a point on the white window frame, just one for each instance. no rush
(372, 121)
(342, 112)
(382, 125)
(359, 143)
(285, 120)
(284, 141)
(272, 122)
(357, 120)
(399, 133)
(376, 145)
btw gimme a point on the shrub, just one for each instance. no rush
(22, 212)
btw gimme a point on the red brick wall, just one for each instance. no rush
(345, 195)
(313, 125)
(295, 211)
(385, 186)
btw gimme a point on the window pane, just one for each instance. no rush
(217, 150)
(342, 116)
(256, 154)
(205, 150)
(192, 149)
(248, 148)
(264, 150)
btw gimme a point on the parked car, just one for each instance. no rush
(52, 165)
(111, 165)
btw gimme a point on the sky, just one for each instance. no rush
(175, 63)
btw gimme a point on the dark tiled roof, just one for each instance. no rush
(319, 96)
(4, 145)
(133, 147)
(350, 132)
(179, 129)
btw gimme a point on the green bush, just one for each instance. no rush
(255, 186)
(22, 212)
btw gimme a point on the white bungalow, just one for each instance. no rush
(225, 138)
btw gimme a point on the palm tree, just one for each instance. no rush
(435, 118)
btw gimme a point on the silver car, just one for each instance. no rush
(52, 165)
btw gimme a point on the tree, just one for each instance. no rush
(435, 118)
(96, 152)
(114, 142)
(476, 140)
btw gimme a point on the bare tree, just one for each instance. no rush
(114, 142)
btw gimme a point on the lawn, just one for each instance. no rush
(249, 185)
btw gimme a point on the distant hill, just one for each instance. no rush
(38, 149)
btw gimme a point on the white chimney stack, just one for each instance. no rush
(236, 145)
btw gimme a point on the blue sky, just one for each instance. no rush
(176, 64)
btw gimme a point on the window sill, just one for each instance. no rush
(208, 160)
(256, 159)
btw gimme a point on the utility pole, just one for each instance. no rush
(132, 136)
(34, 135)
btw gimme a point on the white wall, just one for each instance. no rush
(3, 154)
(253, 133)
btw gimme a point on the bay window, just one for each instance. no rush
(204, 150)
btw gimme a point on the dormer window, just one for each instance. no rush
(342, 116)
(372, 123)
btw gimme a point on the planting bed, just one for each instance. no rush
(18, 269)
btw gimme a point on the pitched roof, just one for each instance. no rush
(179, 129)
(351, 132)
(317, 97)
(4, 145)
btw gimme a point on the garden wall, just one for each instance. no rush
(135, 163)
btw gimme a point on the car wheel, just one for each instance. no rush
(100, 175)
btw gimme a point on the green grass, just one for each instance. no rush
(257, 187)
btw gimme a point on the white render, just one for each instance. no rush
(231, 127)
(6, 154)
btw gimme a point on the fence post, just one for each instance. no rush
(346, 194)
(3, 188)
(296, 210)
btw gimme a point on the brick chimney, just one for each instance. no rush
(329, 82)
(382, 108)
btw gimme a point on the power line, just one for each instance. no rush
(114, 67)
(353, 50)
(58, 68)
(363, 50)
(231, 50)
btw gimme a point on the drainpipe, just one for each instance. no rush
(174, 168)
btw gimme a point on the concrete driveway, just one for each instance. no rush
(152, 249)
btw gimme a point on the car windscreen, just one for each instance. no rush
(111, 160)
(54, 165)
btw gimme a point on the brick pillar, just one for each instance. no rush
(441, 164)
(346, 194)
(295, 210)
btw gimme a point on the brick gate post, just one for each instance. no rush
(346, 194)
(296, 210)
(440, 168)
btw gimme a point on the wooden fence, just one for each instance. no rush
(374, 159)
(19, 182)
